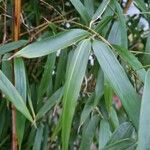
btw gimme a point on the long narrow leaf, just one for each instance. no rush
(13, 96)
(144, 134)
(20, 84)
(81, 10)
(100, 10)
(12, 46)
(73, 83)
(52, 44)
(118, 80)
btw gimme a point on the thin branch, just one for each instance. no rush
(126, 8)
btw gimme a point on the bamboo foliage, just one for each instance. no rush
(74, 81)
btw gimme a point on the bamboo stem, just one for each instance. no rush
(16, 32)
(129, 2)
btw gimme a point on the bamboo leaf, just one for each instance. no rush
(122, 25)
(147, 50)
(12, 46)
(129, 58)
(73, 83)
(38, 138)
(54, 99)
(104, 133)
(89, 5)
(124, 131)
(47, 75)
(103, 23)
(13, 96)
(124, 144)
(52, 44)
(88, 133)
(118, 80)
(21, 86)
(81, 10)
(100, 10)
(144, 125)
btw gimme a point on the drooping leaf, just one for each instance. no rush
(12, 46)
(114, 118)
(100, 10)
(124, 131)
(124, 144)
(103, 23)
(54, 99)
(7, 67)
(141, 4)
(130, 59)
(73, 83)
(147, 50)
(20, 84)
(81, 10)
(118, 80)
(99, 89)
(52, 44)
(104, 133)
(87, 109)
(38, 138)
(89, 5)
(47, 75)
(61, 70)
(108, 94)
(115, 34)
(13, 96)
(144, 125)
(122, 24)
(88, 133)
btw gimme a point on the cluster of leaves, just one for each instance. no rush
(63, 100)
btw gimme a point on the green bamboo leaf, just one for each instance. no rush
(108, 94)
(147, 50)
(81, 10)
(122, 25)
(47, 75)
(144, 125)
(100, 10)
(13, 96)
(53, 100)
(21, 86)
(103, 23)
(124, 131)
(99, 90)
(118, 80)
(12, 46)
(88, 133)
(129, 58)
(7, 67)
(141, 5)
(87, 109)
(38, 138)
(45, 137)
(61, 69)
(124, 144)
(114, 118)
(115, 34)
(73, 83)
(52, 44)
(89, 5)
(104, 133)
